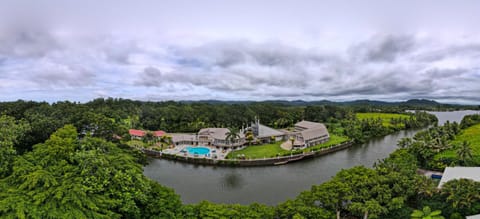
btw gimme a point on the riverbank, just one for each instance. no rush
(272, 185)
(250, 162)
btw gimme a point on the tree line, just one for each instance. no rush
(89, 177)
(65, 160)
(111, 118)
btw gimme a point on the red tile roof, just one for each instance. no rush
(158, 133)
(134, 132)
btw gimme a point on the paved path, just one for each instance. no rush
(287, 145)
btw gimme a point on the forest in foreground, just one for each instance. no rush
(66, 160)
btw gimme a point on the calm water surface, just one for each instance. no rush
(272, 184)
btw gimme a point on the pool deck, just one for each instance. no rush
(221, 154)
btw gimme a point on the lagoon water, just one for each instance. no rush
(272, 184)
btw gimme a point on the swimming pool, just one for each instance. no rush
(198, 150)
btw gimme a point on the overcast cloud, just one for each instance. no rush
(243, 50)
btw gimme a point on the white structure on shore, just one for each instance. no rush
(264, 133)
(452, 173)
(218, 137)
(305, 133)
(308, 134)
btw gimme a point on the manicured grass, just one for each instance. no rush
(259, 151)
(472, 135)
(271, 150)
(334, 140)
(385, 117)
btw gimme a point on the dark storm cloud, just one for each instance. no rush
(301, 50)
(277, 70)
(26, 42)
(229, 66)
(382, 48)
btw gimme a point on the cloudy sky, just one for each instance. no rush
(240, 50)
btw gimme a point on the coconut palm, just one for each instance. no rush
(464, 152)
(232, 135)
(427, 213)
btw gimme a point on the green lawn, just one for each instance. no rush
(334, 140)
(385, 117)
(259, 151)
(472, 135)
(271, 150)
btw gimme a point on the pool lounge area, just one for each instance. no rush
(198, 151)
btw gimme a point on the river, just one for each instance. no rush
(272, 184)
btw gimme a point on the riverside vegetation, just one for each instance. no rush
(67, 160)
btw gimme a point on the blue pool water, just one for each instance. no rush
(198, 150)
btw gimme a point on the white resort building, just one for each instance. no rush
(218, 137)
(305, 133)
(308, 134)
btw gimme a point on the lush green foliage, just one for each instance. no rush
(388, 119)
(90, 174)
(427, 213)
(373, 124)
(470, 120)
(209, 210)
(468, 139)
(67, 177)
(425, 145)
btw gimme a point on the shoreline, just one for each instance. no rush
(275, 161)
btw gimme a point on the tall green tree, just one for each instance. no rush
(333, 195)
(11, 131)
(464, 152)
(66, 177)
(462, 194)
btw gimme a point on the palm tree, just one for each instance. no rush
(464, 152)
(425, 213)
(232, 135)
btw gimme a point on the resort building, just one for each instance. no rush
(136, 134)
(305, 133)
(139, 134)
(264, 133)
(184, 139)
(308, 134)
(452, 173)
(218, 137)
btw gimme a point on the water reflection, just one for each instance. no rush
(232, 180)
(272, 184)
